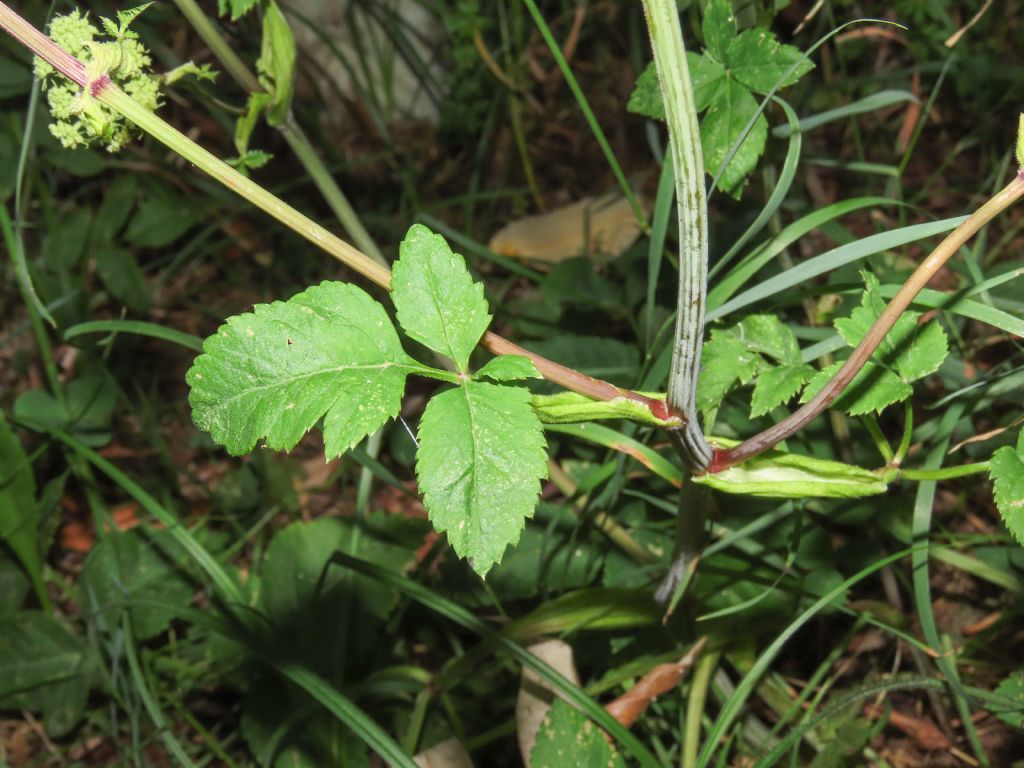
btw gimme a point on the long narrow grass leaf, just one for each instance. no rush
(872, 103)
(779, 190)
(731, 709)
(138, 328)
(459, 615)
(833, 259)
(588, 113)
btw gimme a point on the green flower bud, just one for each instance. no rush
(79, 119)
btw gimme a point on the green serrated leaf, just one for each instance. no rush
(1007, 472)
(768, 335)
(706, 77)
(913, 351)
(479, 465)
(568, 738)
(436, 300)
(237, 8)
(509, 368)
(871, 391)
(646, 97)
(719, 27)
(776, 386)
(757, 60)
(109, 26)
(272, 374)
(276, 64)
(125, 18)
(725, 362)
(1011, 688)
(129, 572)
(730, 111)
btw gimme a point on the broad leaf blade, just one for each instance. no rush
(480, 461)
(871, 391)
(768, 335)
(44, 668)
(776, 386)
(568, 738)
(271, 374)
(1007, 472)
(730, 111)
(19, 514)
(437, 302)
(719, 27)
(757, 60)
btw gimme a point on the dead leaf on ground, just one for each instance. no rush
(447, 754)
(535, 697)
(921, 730)
(663, 678)
(601, 228)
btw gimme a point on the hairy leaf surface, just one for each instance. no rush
(567, 737)
(509, 368)
(481, 458)
(329, 352)
(1007, 472)
(437, 302)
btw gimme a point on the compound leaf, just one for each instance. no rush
(757, 60)
(480, 461)
(1007, 472)
(706, 77)
(567, 737)
(330, 352)
(437, 302)
(907, 353)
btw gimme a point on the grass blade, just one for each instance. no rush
(138, 328)
(837, 257)
(459, 615)
(588, 113)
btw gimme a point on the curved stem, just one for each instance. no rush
(903, 298)
(688, 162)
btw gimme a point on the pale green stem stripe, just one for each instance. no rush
(688, 161)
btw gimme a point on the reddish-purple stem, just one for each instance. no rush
(723, 459)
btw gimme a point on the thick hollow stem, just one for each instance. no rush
(800, 418)
(109, 94)
(691, 204)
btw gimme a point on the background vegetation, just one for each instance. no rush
(816, 624)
